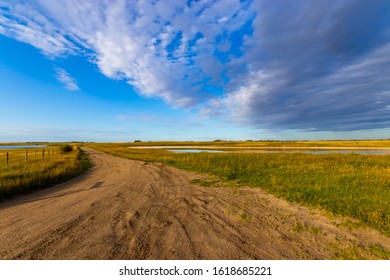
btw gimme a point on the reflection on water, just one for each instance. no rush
(20, 147)
(195, 151)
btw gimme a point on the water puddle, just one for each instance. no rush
(21, 147)
(195, 151)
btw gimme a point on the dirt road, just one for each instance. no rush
(123, 209)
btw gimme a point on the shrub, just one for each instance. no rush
(66, 148)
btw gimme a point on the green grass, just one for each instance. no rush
(273, 144)
(38, 172)
(350, 185)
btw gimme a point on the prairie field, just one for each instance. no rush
(348, 185)
(44, 167)
(271, 143)
(170, 205)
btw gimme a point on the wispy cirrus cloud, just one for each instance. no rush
(24, 22)
(68, 81)
(306, 65)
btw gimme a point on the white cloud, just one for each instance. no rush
(68, 81)
(131, 39)
(25, 24)
(294, 68)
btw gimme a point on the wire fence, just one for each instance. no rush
(11, 157)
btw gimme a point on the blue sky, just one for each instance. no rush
(194, 70)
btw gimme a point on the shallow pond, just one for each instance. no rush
(195, 151)
(21, 147)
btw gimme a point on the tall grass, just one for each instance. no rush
(351, 185)
(38, 172)
(272, 144)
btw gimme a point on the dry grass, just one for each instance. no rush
(39, 171)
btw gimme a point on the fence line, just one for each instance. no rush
(9, 155)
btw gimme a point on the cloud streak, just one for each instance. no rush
(276, 65)
(64, 77)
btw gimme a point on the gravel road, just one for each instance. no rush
(125, 209)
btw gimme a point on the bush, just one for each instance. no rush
(66, 148)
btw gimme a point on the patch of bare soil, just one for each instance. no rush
(124, 209)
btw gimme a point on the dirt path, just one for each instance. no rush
(123, 209)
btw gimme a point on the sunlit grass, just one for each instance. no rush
(350, 185)
(39, 171)
(268, 143)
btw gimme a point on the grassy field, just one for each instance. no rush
(349, 185)
(40, 170)
(265, 144)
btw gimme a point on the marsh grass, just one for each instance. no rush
(270, 143)
(349, 185)
(38, 172)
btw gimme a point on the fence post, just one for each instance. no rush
(43, 153)
(6, 158)
(26, 158)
